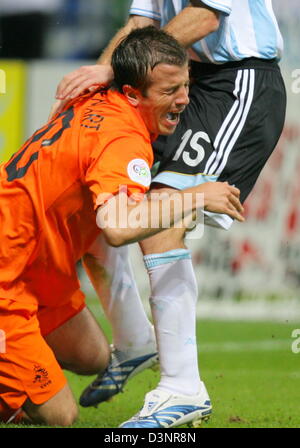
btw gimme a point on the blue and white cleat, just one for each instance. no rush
(122, 367)
(166, 410)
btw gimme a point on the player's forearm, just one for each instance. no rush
(132, 23)
(193, 23)
(105, 57)
(124, 223)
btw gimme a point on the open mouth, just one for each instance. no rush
(173, 118)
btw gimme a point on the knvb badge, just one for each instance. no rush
(2, 81)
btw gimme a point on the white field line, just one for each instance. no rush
(247, 346)
(256, 310)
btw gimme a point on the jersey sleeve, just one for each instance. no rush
(224, 6)
(146, 8)
(150, 8)
(123, 165)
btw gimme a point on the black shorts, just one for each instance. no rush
(229, 129)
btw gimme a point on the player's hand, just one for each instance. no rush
(56, 108)
(220, 197)
(87, 77)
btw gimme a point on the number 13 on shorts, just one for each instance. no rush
(2, 341)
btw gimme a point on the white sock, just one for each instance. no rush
(131, 329)
(173, 303)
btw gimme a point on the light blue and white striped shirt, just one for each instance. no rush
(248, 28)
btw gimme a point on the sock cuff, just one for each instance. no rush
(154, 260)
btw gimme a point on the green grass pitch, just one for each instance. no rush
(249, 369)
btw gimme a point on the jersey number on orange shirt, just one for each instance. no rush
(15, 172)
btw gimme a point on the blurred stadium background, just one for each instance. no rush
(252, 271)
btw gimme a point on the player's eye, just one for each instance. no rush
(171, 90)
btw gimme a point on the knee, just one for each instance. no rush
(89, 363)
(59, 417)
(60, 410)
(96, 364)
(66, 418)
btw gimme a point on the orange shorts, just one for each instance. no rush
(28, 367)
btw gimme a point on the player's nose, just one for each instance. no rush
(182, 98)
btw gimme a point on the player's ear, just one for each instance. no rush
(131, 95)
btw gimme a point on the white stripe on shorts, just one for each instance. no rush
(233, 123)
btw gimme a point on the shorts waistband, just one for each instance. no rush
(203, 68)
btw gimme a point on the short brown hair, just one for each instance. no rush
(141, 50)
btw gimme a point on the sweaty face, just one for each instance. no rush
(166, 98)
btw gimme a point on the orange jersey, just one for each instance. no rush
(49, 191)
